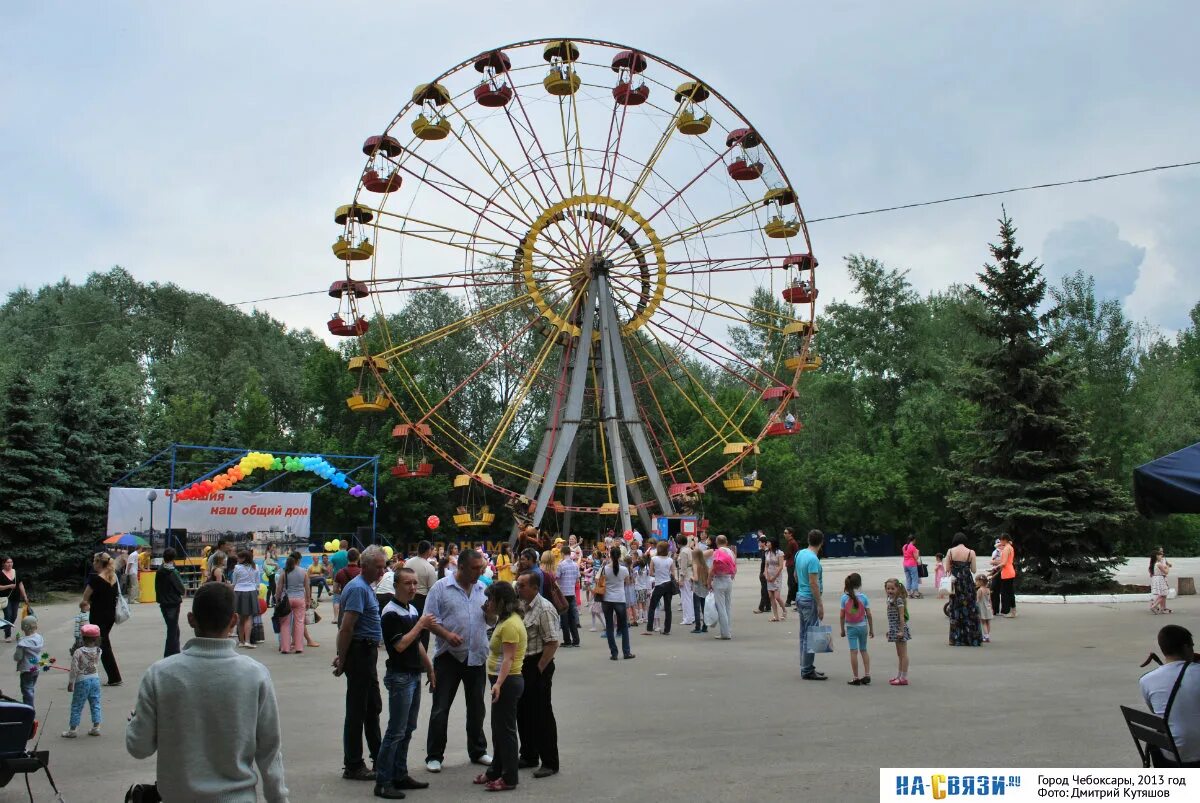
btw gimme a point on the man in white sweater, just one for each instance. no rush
(202, 757)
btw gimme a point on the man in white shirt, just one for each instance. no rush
(212, 757)
(683, 570)
(1183, 720)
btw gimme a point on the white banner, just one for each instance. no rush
(1019, 784)
(285, 514)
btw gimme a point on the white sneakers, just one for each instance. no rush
(434, 765)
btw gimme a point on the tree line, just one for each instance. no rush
(1005, 404)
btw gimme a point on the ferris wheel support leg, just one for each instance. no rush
(569, 495)
(552, 434)
(574, 406)
(632, 418)
(608, 409)
(636, 493)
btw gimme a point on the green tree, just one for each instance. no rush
(32, 524)
(1028, 472)
(255, 421)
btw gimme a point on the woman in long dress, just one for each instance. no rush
(965, 630)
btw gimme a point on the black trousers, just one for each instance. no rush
(1006, 590)
(363, 703)
(764, 599)
(661, 591)
(108, 659)
(793, 586)
(450, 672)
(535, 715)
(504, 730)
(170, 615)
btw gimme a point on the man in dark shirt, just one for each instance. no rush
(764, 600)
(169, 591)
(403, 626)
(527, 561)
(790, 548)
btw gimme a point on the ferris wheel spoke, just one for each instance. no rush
(521, 214)
(665, 370)
(457, 326)
(490, 170)
(662, 416)
(683, 341)
(470, 236)
(704, 225)
(678, 193)
(524, 386)
(532, 129)
(647, 171)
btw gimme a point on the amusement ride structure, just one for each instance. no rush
(623, 211)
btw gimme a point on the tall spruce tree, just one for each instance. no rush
(1028, 472)
(32, 525)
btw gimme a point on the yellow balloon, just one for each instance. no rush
(262, 592)
(387, 550)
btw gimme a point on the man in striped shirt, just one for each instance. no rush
(568, 581)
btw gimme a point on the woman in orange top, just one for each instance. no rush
(1008, 575)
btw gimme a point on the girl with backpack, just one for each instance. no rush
(858, 625)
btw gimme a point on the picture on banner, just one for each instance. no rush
(282, 518)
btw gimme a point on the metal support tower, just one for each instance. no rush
(618, 410)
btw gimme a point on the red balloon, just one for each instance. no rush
(262, 607)
(629, 535)
(432, 522)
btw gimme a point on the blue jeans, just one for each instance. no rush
(570, 621)
(807, 606)
(404, 703)
(28, 681)
(616, 610)
(87, 690)
(912, 580)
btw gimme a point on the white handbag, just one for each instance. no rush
(122, 612)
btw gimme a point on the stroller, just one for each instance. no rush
(17, 728)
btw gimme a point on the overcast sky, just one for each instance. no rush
(206, 143)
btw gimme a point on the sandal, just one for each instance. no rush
(500, 785)
(773, 619)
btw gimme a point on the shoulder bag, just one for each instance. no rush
(122, 611)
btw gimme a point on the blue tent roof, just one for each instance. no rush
(1169, 484)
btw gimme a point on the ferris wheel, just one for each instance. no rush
(549, 263)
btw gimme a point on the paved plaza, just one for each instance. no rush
(695, 719)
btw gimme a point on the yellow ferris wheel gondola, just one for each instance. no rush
(735, 481)
(470, 513)
(368, 397)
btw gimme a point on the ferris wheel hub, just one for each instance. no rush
(645, 272)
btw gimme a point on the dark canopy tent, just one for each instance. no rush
(1169, 484)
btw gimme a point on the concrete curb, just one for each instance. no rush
(1105, 599)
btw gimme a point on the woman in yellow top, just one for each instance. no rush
(504, 570)
(506, 658)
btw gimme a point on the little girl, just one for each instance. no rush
(85, 682)
(857, 621)
(598, 588)
(938, 573)
(631, 595)
(897, 613)
(983, 601)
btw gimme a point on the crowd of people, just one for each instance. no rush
(490, 626)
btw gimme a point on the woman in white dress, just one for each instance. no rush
(775, 569)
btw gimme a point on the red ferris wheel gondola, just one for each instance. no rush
(338, 325)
